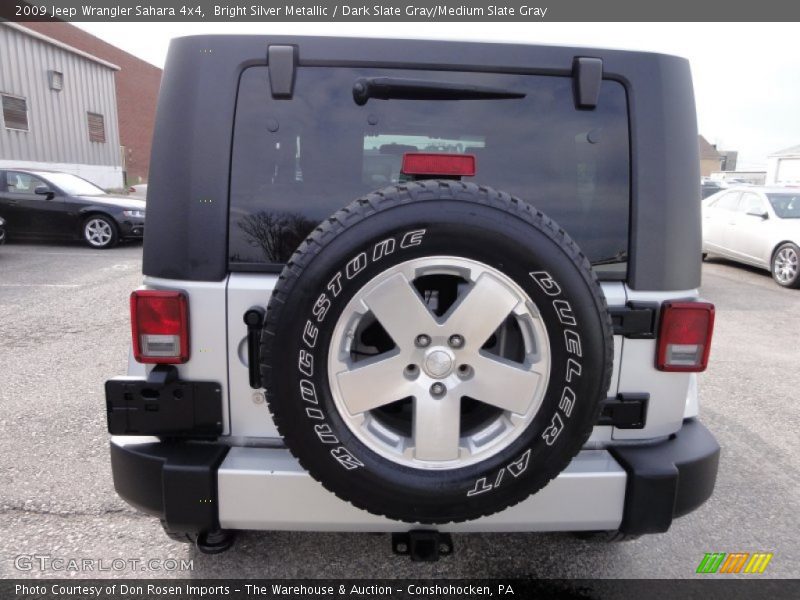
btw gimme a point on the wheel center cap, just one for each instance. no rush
(438, 363)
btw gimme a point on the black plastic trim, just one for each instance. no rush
(635, 320)
(254, 320)
(587, 75)
(163, 405)
(422, 545)
(176, 482)
(396, 88)
(189, 184)
(282, 61)
(668, 479)
(626, 411)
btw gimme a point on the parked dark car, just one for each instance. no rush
(2, 231)
(56, 205)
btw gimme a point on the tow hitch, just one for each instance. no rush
(422, 545)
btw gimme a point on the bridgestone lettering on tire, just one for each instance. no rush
(436, 352)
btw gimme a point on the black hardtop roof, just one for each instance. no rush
(411, 53)
(187, 238)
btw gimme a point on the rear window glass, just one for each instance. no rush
(297, 161)
(786, 206)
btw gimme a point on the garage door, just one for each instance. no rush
(788, 170)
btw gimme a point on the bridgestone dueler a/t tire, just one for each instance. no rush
(435, 218)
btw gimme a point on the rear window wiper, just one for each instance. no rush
(392, 88)
(620, 256)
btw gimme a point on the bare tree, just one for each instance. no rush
(277, 234)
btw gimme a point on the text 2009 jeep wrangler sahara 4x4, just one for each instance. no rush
(414, 286)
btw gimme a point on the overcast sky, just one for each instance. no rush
(746, 75)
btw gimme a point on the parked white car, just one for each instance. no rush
(758, 226)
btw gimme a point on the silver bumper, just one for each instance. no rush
(266, 489)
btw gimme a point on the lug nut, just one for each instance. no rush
(423, 341)
(438, 390)
(456, 341)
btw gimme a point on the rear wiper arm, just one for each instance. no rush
(393, 88)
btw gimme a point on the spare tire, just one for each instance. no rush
(436, 352)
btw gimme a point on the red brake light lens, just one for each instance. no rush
(160, 326)
(443, 165)
(684, 338)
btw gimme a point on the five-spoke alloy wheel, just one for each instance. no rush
(479, 340)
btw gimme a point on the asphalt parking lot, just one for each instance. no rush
(64, 330)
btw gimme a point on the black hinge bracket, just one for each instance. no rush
(254, 319)
(162, 375)
(282, 63)
(587, 75)
(626, 411)
(635, 320)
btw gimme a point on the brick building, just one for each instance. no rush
(137, 84)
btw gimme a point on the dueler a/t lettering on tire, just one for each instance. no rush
(436, 352)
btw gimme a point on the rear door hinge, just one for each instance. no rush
(282, 65)
(635, 320)
(587, 76)
(626, 411)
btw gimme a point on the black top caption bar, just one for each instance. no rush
(399, 10)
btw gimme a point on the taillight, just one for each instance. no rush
(443, 165)
(160, 326)
(684, 338)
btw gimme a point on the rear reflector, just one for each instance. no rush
(160, 326)
(441, 165)
(684, 338)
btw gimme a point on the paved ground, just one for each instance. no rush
(64, 330)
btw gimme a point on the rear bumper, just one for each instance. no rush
(173, 481)
(195, 487)
(669, 479)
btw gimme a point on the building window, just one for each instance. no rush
(15, 112)
(56, 81)
(97, 128)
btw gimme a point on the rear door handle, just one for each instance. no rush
(254, 320)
